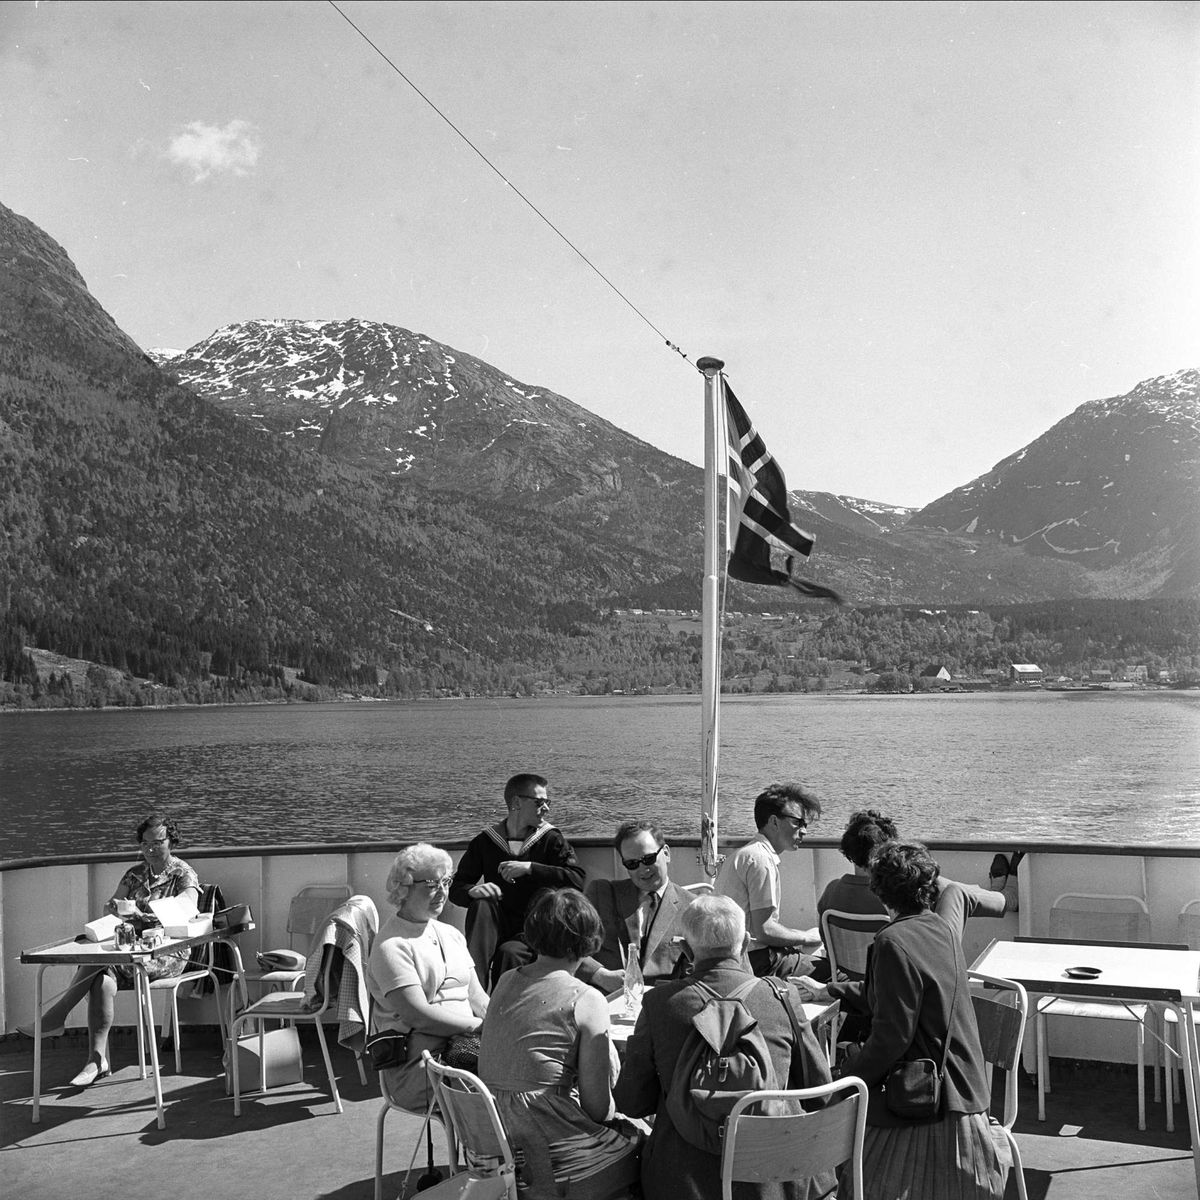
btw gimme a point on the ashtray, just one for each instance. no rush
(1084, 972)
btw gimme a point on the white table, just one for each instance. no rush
(622, 1026)
(79, 952)
(1163, 977)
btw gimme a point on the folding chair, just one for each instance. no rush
(770, 1149)
(1103, 920)
(469, 1110)
(1001, 1009)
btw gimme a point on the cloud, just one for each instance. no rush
(210, 150)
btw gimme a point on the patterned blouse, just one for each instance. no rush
(141, 885)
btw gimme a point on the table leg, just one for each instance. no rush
(37, 1047)
(148, 1015)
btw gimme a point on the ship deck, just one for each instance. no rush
(291, 1144)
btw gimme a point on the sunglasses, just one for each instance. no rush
(647, 860)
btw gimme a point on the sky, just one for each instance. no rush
(917, 234)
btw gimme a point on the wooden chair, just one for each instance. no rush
(1084, 917)
(1001, 1009)
(769, 1149)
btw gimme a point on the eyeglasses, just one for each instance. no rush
(541, 801)
(647, 860)
(801, 823)
(435, 885)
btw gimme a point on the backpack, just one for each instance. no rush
(724, 1056)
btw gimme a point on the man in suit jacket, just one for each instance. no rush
(715, 928)
(641, 914)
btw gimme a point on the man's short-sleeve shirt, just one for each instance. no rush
(750, 878)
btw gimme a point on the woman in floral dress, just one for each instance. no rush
(158, 875)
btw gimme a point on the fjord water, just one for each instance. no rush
(1086, 767)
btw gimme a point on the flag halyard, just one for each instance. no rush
(760, 514)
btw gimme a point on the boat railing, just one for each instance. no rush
(42, 899)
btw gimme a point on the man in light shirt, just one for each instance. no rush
(750, 878)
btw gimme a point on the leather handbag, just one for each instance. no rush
(387, 1049)
(914, 1087)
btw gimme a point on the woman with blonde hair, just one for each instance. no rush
(420, 972)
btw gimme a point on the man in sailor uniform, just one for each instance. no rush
(503, 868)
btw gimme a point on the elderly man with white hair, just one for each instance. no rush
(420, 972)
(715, 930)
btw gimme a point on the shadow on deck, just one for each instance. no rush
(291, 1145)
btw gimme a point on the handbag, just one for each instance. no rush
(914, 1087)
(387, 1049)
(462, 1052)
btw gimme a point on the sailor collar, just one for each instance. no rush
(499, 835)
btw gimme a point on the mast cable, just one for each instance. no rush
(508, 183)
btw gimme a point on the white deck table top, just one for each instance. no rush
(1126, 972)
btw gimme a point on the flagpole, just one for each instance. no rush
(710, 706)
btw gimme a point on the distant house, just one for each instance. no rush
(936, 671)
(1025, 673)
(1100, 675)
(1137, 674)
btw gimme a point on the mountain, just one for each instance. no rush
(359, 503)
(1114, 487)
(865, 516)
(399, 403)
(145, 528)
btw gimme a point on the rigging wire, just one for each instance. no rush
(509, 184)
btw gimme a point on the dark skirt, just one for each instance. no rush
(963, 1157)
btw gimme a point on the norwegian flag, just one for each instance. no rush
(759, 510)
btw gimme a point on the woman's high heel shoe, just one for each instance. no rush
(90, 1074)
(27, 1030)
